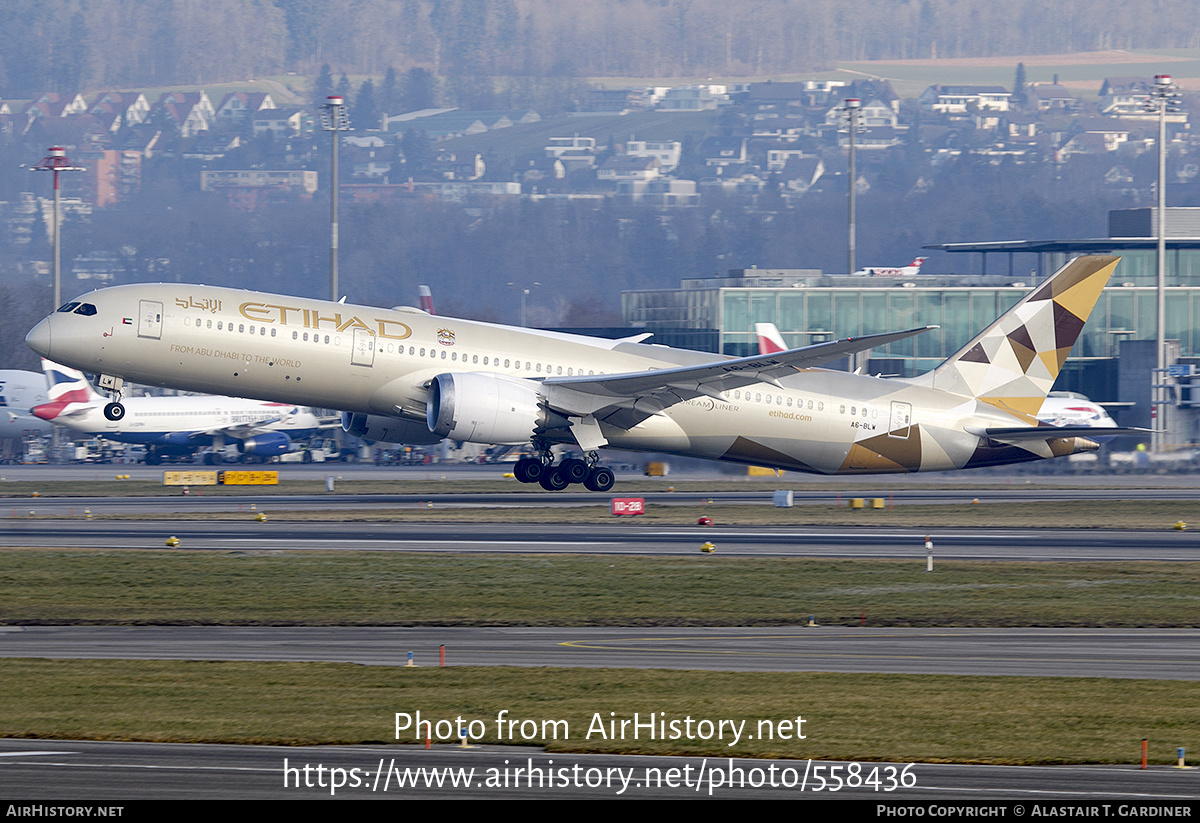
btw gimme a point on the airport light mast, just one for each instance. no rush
(1164, 98)
(334, 118)
(524, 294)
(56, 161)
(851, 110)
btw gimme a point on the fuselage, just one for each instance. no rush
(380, 362)
(899, 271)
(1074, 410)
(186, 421)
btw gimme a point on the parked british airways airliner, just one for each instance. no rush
(424, 377)
(175, 426)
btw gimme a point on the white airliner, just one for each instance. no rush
(20, 391)
(427, 377)
(902, 271)
(174, 426)
(1067, 408)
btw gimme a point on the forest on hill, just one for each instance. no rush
(82, 45)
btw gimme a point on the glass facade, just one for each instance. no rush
(1125, 311)
(811, 315)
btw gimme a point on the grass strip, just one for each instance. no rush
(1159, 515)
(64, 587)
(852, 717)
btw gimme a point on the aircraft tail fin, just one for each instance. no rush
(918, 262)
(426, 299)
(64, 386)
(770, 340)
(1014, 362)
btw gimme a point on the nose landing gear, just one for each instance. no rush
(113, 411)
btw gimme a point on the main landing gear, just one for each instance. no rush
(114, 411)
(572, 470)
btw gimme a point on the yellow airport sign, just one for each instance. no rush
(189, 478)
(249, 478)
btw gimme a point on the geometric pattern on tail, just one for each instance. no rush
(1014, 362)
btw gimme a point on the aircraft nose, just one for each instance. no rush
(38, 338)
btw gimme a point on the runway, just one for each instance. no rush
(617, 539)
(1162, 654)
(197, 501)
(681, 472)
(112, 772)
(74, 770)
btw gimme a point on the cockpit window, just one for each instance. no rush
(67, 307)
(86, 309)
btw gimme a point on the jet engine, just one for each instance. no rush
(478, 407)
(383, 429)
(268, 444)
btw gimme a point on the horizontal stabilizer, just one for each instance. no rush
(1052, 432)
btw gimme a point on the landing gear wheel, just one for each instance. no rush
(576, 470)
(529, 470)
(554, 480)
(600, 480)
(114, 411)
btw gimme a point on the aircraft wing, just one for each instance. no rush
(1050, 432)
(627, 399)
(240, 431)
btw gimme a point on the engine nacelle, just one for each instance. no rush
(479, 407)
(268, 444)
(383, 429)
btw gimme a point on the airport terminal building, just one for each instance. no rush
(1112, 361)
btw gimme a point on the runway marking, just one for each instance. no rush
(152, 767)
(614, 644)
(973, 635)
(873, 657)
(33, 754)
(428, 541)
